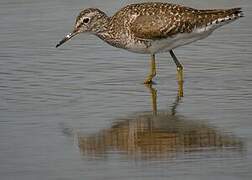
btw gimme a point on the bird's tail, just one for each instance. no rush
(220, 16)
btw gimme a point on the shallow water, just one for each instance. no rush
(82, 112)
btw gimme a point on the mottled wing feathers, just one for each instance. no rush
(164, 20)
(148, 27)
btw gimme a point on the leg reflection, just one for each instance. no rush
(175, 105)
(153, 92)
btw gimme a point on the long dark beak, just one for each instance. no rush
(67, 37)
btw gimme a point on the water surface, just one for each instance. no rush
(82, 112)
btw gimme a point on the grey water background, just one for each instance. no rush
(50, 98)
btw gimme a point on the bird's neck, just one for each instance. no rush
(105, 34)
(102, 25)
(104, 31)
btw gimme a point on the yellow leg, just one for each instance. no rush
(180, 77)
(180, 74)
(152, 73)
(180, 89)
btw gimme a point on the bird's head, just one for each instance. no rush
(90, 20)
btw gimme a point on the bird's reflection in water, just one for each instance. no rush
(156, 134)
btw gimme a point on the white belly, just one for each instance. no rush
(165, 45)
(170, 43)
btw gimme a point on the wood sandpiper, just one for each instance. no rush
(152, 28)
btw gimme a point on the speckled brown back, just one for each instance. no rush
(160, 20)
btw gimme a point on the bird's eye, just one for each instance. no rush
(86, 20)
